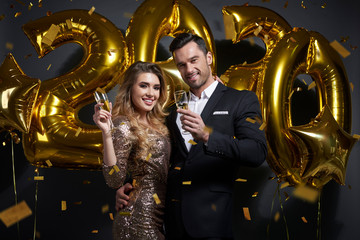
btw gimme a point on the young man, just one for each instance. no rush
(202, 173)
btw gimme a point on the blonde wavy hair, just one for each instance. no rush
(124, 106)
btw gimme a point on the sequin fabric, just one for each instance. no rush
(143, 217)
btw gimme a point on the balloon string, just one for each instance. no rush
(271, 211)
(318, 233)
(36, 203)
(14, 181)
(282, 211)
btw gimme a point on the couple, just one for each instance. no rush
(191, 189)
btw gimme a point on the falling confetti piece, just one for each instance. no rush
(356, 136)
(17, 14)
(312, 85)
(286, 4)
(262, 127)
(48, 67)
(258, 30)
(63, 205)
(78, 203)
(351, 46)
(252, 41)
(255, 194)
(156, 198)
(86, 182)
(213, 207)
(266, 39)
(241, 180)
(78, 131)
(344, 39)
(276, 216)
(91, 10)
(27, 56)
(292, 39)
(48, 13)
(304, 219)
(50, 35)
(21, 2)
(323, 6)
(246, 213)
(306, 193)
(111, 171)
(244, 63)
(134, 183)
(95, 231)
(124, 213)
(9, 46)
(186, 183)
(177, 168)
(284, 185)
(192, 142)
(105, 208)
(111, 216)
(103, 19)
(208, 129)
(2, 16)
(116, 168)
(302, 5)
(30, 6)
(38, 178)
(40, 3)
(286, 196)
(148, 156)
(15, 214)
(340, 49)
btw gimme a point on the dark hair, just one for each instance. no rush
(184, 38)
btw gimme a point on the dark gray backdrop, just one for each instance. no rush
(340, 214)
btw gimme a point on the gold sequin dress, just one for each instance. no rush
(143, 217)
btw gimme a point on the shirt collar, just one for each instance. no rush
(206, 94)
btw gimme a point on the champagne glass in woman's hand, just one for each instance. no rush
(101, 97)
(182, 102)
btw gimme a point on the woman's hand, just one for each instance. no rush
(102, 117)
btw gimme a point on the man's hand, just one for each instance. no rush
(122, 196)
(193, 123)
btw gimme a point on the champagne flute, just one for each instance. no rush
(182, 102)
(101, 97)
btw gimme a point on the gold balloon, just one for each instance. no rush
(56, 127)
(328, 146)
(155, 19)
(18, 96)
(290, 52)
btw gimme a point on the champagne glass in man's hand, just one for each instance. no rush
(182, 102)
(101, 97)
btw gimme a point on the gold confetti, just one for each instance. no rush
(312, 85)
(4, 144)
(349, 186)
(111, 216)
(15, 214)
(262, 126)
(306, 193)
(286, 196)
(290, 95)
(252, 41)
(148, 156)
(109, 53)
(78, 203)
(186, 182)
(50, 35)
(63, 205)
(340, 49)
(111, 171)
(255, 194)
(284, 185)
(21, 2)
(246, 213)
(105, 208)
(48, 13)
(27, 56)
(304, 219)
(69, 23)
(286, 4)
(352, 86)
(78, 131)
(323, 6)
(292, 39)
(266, 39)
(356, 136)
(2, 16)
(156, 198)
(48, 67)
(192, 142)
(241, 180)
(344, 39)
(30, 6)
(276, 216)
(208, 129)
(213, 207)
(103, 19)
(124, 213)
(38, 178)
(244, 63)
(134, 183)
(91, 10)
(9, 46)
(17, 14)
(351, 46)
(40, 3)
(302, 5)
(116, 168)
(258, 30)
(95, 231)
(86, 182)
(177, 168)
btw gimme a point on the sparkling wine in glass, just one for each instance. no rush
(182, 102)
(101, 97)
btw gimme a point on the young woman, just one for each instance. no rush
(137, 145)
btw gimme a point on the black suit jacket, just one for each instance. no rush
(200, 182)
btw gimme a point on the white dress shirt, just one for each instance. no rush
(196, 105)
